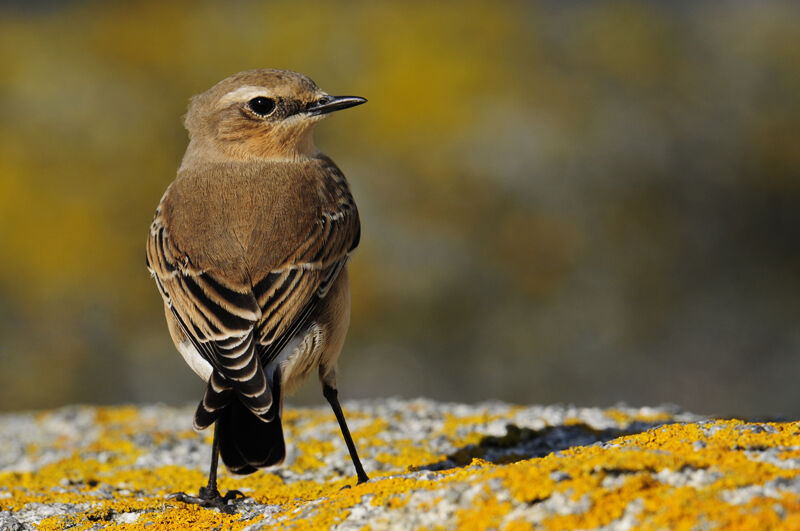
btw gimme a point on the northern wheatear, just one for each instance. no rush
(249, 249)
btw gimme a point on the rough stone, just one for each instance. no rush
(483, 466)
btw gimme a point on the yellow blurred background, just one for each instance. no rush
(561, 202)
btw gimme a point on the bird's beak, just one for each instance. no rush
(328, 104)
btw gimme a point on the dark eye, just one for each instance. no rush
(261, 105)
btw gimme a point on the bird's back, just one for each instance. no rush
(245, 219)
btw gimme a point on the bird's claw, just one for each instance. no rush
(232, 495)
(210, 498)
(360, 481)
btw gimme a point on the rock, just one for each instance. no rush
(484, 466)
(9, 523)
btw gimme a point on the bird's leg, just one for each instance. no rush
(331, 394)
(209, 496)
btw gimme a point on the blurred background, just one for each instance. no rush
(561, 202)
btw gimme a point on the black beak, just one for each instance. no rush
(328, 104)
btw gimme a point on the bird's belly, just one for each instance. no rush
(299, 357)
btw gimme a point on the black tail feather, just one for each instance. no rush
(247, 442)
(218, 394)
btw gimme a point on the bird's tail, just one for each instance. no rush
(246, 441)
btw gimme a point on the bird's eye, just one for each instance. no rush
(261, 106)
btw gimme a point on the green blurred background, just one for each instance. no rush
(561, 202)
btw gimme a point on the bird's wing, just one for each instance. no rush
(219, 320)
(235, 327)
(287, 295)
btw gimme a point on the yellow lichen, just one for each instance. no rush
(371, 432)
(486, 513)
(624, 478)
(624, 418)
(311, 454)
(119, 416)
(462, 430)
(405, 455)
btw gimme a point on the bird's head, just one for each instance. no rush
(259, 115)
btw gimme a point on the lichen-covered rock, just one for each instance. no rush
(433, 465)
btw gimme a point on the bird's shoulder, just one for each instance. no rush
(248, 219)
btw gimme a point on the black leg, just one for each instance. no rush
(210, 490)
(209, 495)
(331, 394)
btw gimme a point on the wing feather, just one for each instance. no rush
(218, 320)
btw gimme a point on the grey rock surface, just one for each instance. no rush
(489, 465)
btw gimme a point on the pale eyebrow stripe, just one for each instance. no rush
(242, 94)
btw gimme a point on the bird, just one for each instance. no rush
(249, 249)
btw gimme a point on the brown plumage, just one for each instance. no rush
(249, 249)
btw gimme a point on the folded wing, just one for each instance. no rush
(239, 329)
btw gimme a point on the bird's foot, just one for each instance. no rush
(361, 480)
(210, 497)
